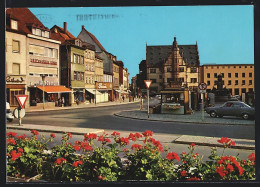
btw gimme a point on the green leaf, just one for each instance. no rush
(26, 149)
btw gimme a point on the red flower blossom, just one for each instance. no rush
(124, 141)
(183, 173)
(20, 150)
(103, 140)
(251, 157)
(90, 136)
(147, 133)
(172, 156)
(11, 141)
(22, 136)
(136, 146)
(226, 141)
(76, 163)
(11, 134)
(230, 168)
(192, 145)
(15, 155)
(77, 148)
(53, 135)
(35, 132)
(115, 133)
(60, 160)
(69, 135)
(221, 171)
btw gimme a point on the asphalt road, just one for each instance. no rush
(103, 118)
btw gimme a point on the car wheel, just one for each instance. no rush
(213, 114)
(10, 120)
(245, 116)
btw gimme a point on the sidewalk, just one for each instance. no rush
(195, 117)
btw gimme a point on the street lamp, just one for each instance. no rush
(43, 79)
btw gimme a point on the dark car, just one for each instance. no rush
(232, 108)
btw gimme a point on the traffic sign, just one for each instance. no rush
(148, 83)
(16, 113)
(202, 86)
(21, 100)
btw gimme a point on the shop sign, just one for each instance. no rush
(11, 79)
(104, 85)
(33, 60)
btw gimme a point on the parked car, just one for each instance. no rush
(9, 114)
(232, 108)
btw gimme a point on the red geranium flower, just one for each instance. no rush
(192, 145)
(136, 146)
(11, 134)
(172, 156)
(76, 163)
(60, 160)
(35, 132)
(15, 155)
(183, 173)
(251, 157)
(115, 133)
(147, 133)
(90, 136)
(69, 135)
(53, 135)
(11, 141)
(226, 141)
(193, 179)
(20, 150)
(22, 136)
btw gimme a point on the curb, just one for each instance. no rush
(200, 122)
(67, 108)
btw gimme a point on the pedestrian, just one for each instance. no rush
(123, 98)
(63, 101)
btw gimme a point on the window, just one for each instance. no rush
(153, 80)
(78, 76)
(245, 66)
(234, 66)
(152, 70)
(169, 69)
(223, 67)
(236, 82)
(250, 74)
(38, 32)
(193, 80)
(82, 76)
(16, 69)
(250, 82)
(47, 34)
(33, 31)
(14, 24)
(16, 46)
(215, 75)
(229, 75)
(243, 74)
(239, 66)
(208, 83)
(75, 75)
(208, 75)
(229, 82)
(222, 75)
(160, 76)
(181, 79)
(243, 82)
(50, 52)
(217, 67)
(236, 75)
(55, 53)
(193, 70)
(82, 59)
(181, 69)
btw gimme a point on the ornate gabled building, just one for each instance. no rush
(173, 66)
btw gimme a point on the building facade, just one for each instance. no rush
(42, 59)
(237, 78)
(116, 86)
(173, 66)
(71, 62)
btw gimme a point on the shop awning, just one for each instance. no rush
(55, 89)
(93, 91)
(117, 91)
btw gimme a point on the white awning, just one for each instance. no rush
(93, 91)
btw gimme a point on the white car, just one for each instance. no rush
(9, 114)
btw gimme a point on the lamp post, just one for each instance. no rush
(95, 92)
(43, 79)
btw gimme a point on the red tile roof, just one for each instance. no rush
(25, 19)
(54, 89)
(61, 35)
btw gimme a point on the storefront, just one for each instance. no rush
(53, 95)
(105, 88)
(79, 94)
(92, 94)
(11, 91)
(174, 101)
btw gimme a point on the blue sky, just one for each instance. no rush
(225, 34)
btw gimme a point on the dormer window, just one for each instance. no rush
(14, 24)
(38, 32)
(33, 31)
(47, 34)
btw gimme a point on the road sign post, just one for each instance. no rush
(148, 84)
(21, 99)
(202, 89)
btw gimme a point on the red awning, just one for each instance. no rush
(55, 89)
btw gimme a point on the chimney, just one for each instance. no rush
(83, 27)
(65, 26)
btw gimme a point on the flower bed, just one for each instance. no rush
(116, 158)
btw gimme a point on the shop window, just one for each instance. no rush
(13, 93)
(16, 46)
(16, 69)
